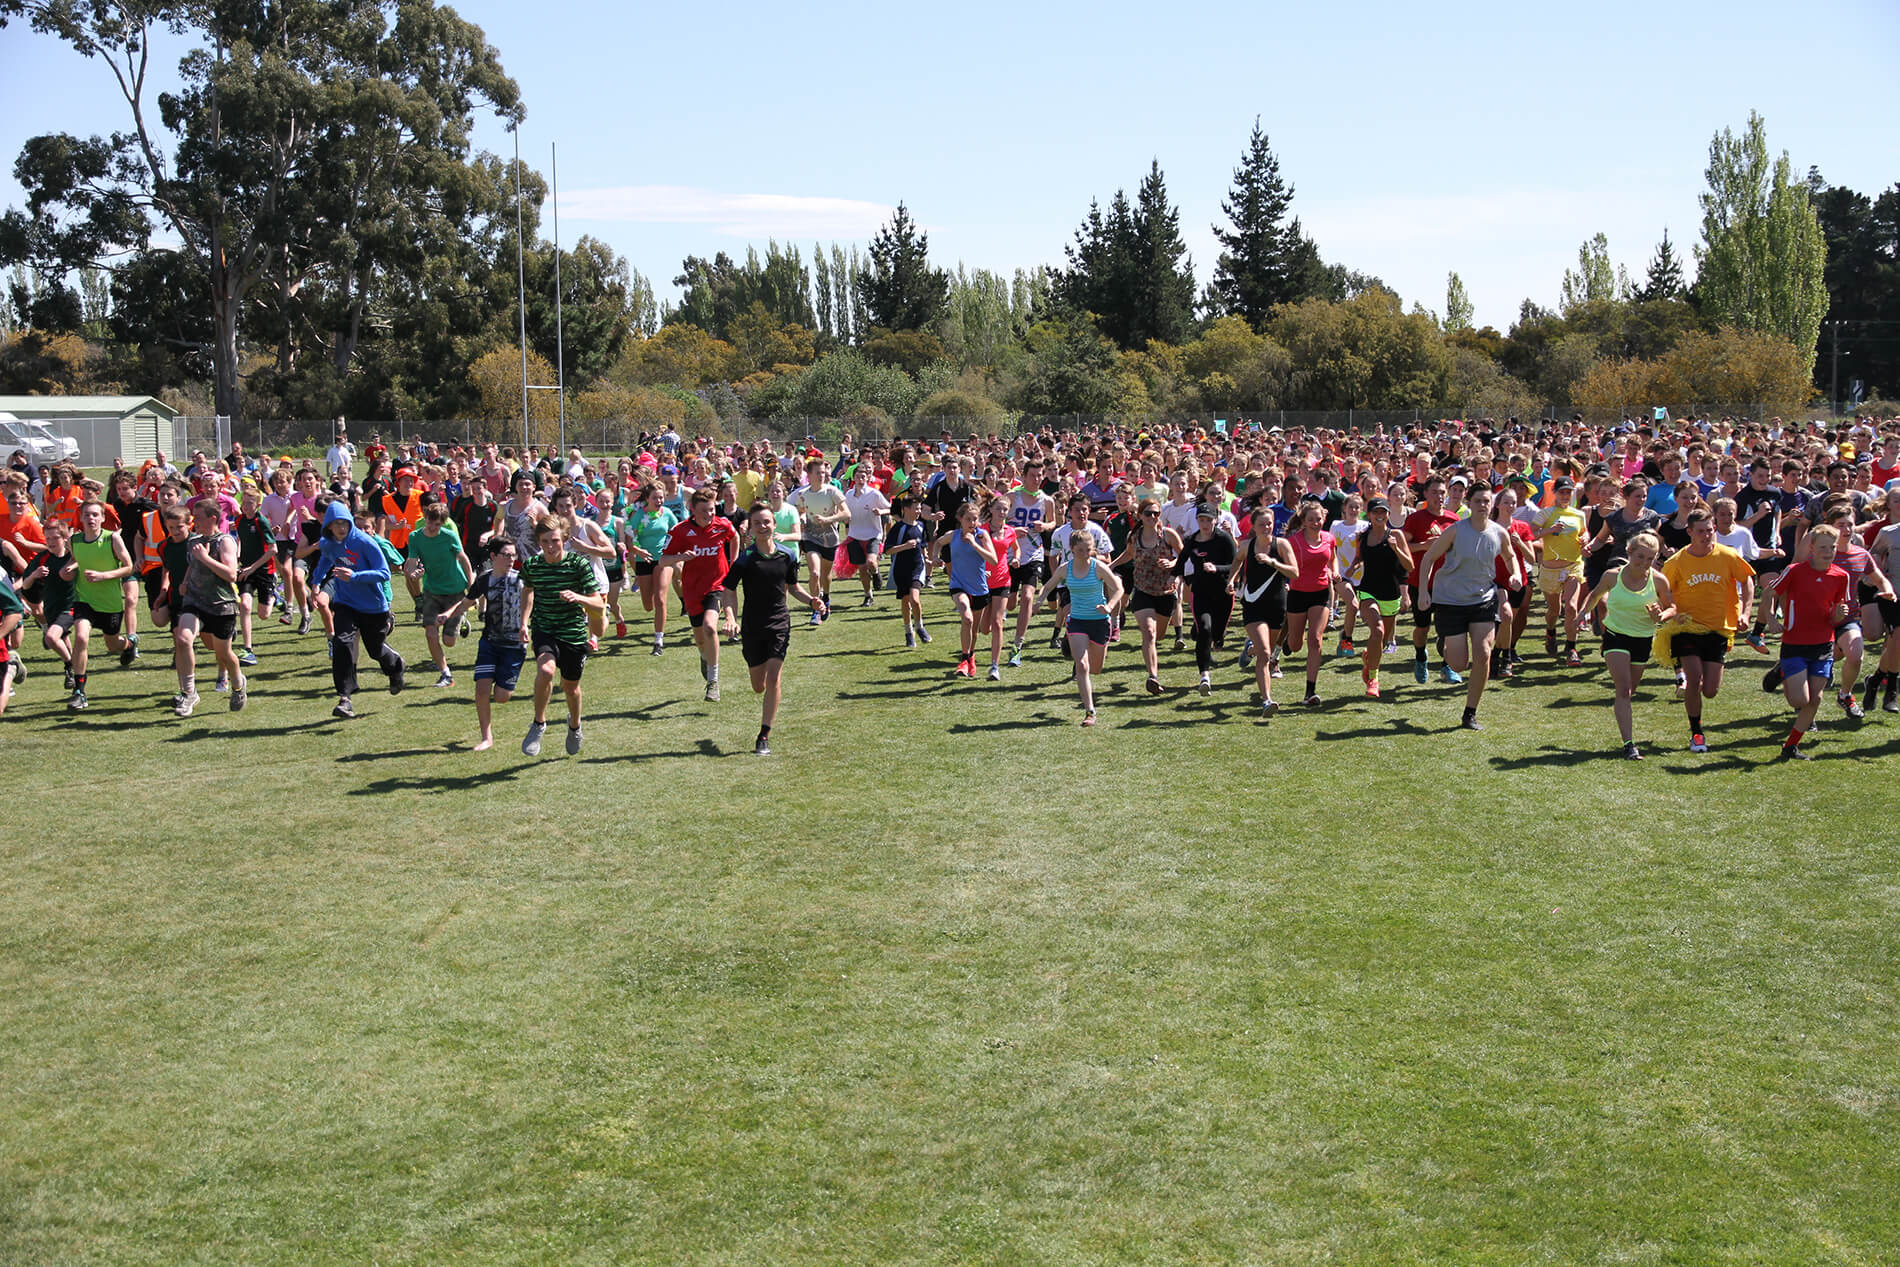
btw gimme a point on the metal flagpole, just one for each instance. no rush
(560, 360)
(521, 291)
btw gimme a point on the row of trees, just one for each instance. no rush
(305, 228)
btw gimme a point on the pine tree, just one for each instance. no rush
(1665, 274)
(1458, 310)
(900, 289)
(1163, 289)
(1265, 258)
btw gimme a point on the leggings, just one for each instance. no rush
(1213, 606)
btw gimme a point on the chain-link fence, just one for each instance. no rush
(312, 436)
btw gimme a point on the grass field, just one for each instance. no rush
(946, 979)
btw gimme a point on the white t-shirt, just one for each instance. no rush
(1740, 540)
(1180, 518)
(1059, 544)
(1346, 535)
(867, 511)
(816, 500)
(340, 456)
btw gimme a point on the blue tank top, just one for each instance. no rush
(968, 571)
(1086, 596)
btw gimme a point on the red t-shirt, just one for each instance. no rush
(1811, 597)
(1508, 560)
(1881, 472)
(705, 549)
(1421, 528)
(1003, 540)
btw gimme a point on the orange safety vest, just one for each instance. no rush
(405, 517)
(154, 534)
(63, 505)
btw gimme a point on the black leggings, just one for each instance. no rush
(1213, 606)
(372, 628)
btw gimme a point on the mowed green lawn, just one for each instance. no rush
(946, 979)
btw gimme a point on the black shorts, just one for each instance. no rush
(62, 622)
(978, 599)
(644, 567)
(812, 545)
(1269, 609)
(760, 645)
(1454, 620)
(1637, 649)
(261, 583)
(1299, 602)
(152, 580)
(107, 623)
(907, 572)
(1710, 648)
(858, 553)
(1421, 617)
(1162, 605)
(1026, 576)
(286, 552)
(1889, 612)
(616, 573)
(1061, 596)
(707, 617)
(570, 658)
(1096, 631)
(219, 627)
(1768, 567)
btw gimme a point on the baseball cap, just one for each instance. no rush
(1206, 510)
(1378, 503)
(1564, 484)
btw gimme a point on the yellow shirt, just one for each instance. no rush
(1708, 589)
(1566, 547)
(751, 486)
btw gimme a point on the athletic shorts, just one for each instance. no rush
(616, 573)
(1710, 648)
(1026, 576)
(1813, 658)
(500, 665)
(1061, 596)
(701, 606)
(1162, 605)
(1421, 617)
(1388, 607)
(305, 565)
(286, 553)
(429, 606)
(1551, 579)
(1096, 631)
(859, 553)
(1768, 567)
(1299, 602)
(1637, 649)
(152, 580)
(1456, 619)
(818, 545)
(760, 645)
(219, 627)
(644, 567)
(1889, 612)
(570, 658)
(107, 623)
(261, 584)
(62, 622)
(907, 572)
(978, 598)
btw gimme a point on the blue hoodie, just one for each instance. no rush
(359, 552)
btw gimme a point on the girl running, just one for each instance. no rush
(1153, 549)
(1206, 559)
(1636, 599)
(1003, 538)
(1260, 579)
(645, 533)
(1309, 598)
(1093, 590)
(1385, 559)
(971, 554)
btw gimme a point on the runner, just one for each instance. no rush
(822, 504)
(1560, 529)
(1636, 599)
(1815, 594)
(645, 533)
(1886, 553)
(501, 650)
(1309, 597)
(869, 508)
(763, 574)
(12, 616)
(1385, 558)
(1032, 513)
(436, 559)
(1869, 586)
(1266, 565)
(908, 552)
(1059, 549)
(1422, 528)
(1093, 590)
(1206, 559)
(355, 570)
(1713, 587)
(589, 540)
(1514, 573)
(702, 548)
(559, 590)
(1346, 531)
(1153, 550)
(1461, 596)
(971, 555)
(256, 583)
(49, 587)
(1000, 574)
(208, 608)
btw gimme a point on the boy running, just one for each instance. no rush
(702, 548)
(560, 591)
(764, 573)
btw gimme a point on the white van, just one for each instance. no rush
(37, 439)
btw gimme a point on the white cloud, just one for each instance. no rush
(750, 216)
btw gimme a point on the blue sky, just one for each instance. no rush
(1490, 139)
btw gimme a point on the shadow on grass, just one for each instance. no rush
(704, 748)
(903, 692)
(394, 754)
(382, 787)
(1390, 727)
(251, 732)
(1551, 755)
(1036, 721)
(647, 712)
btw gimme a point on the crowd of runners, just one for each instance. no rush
(1443, 548)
